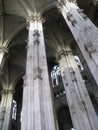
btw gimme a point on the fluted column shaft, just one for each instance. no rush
(37, 109)
(84, 32)
(81, 109)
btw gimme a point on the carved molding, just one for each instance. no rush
(69, 52)
(90, 48)
(72, 73)
(36, 33)
(80, 11)
(60, 4)
(63, 53)
(33, 18)
(60, 54)
(36, 17)
(7, 91)
(36, 37)
(71, 18)
(65, 78)
(37, 73)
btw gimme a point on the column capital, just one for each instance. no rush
(35, 17)
(63, 53)
(69, 52)
(60, 54)
(3, 49)
(60, 4)
(7, 91)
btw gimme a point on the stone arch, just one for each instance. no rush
(10, 38)
(25, 6)
(48, 7)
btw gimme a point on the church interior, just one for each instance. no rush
(48, 64)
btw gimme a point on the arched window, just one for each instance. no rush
(14, 110)
(56, 76)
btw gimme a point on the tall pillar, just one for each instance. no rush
(6, 109)
(81, 109)
(84, 32)
(37, 109)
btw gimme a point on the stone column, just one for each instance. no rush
(82, 113)
(84, 32)
(83, 91)
(37, 109)
(6, 105)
